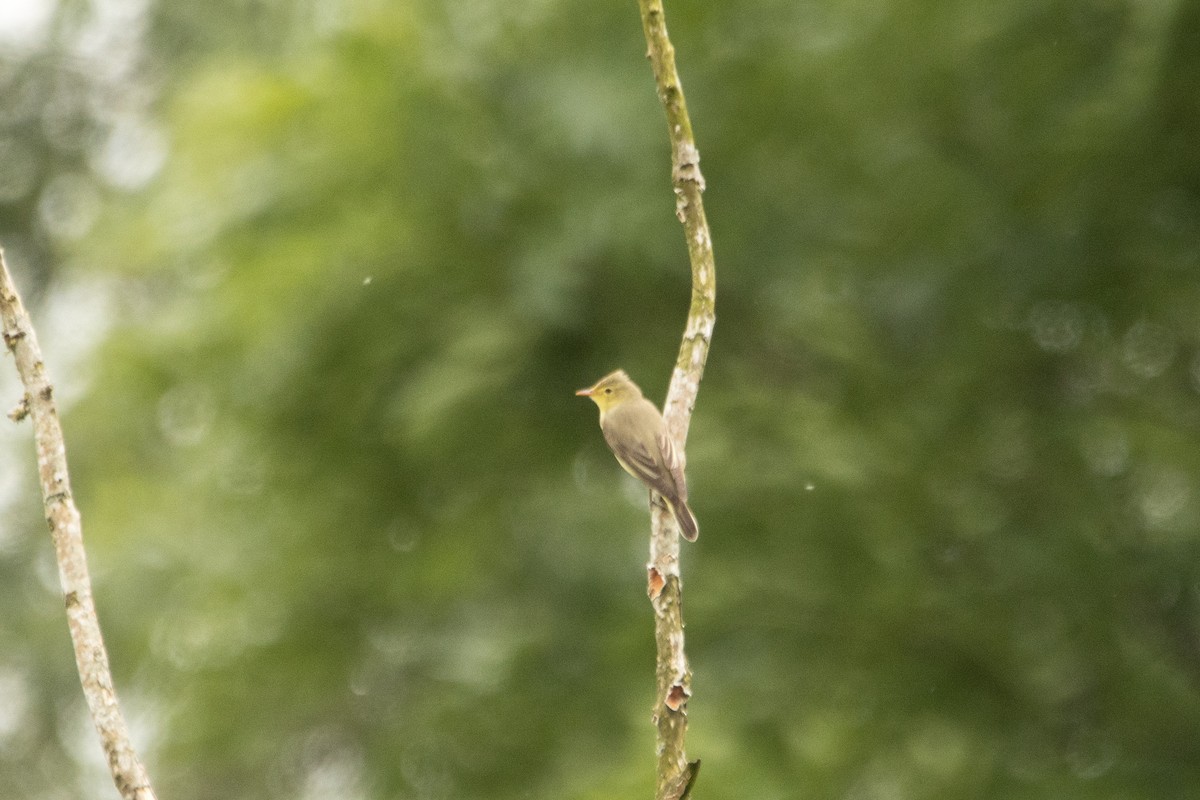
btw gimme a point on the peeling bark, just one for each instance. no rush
(675, 774)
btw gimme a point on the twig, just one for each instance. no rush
(666, 590)
(91, 659)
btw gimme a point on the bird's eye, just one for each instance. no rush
(608, 391)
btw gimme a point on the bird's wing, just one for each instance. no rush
(640, 462)
(673, 464)
(643, 460)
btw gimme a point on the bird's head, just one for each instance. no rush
(611, 390)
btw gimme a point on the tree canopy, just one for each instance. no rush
(318, 281)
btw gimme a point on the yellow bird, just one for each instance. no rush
(637, 435)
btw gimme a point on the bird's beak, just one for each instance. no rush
(585, 392)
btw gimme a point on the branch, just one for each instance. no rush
(675, 775)
(67, 533)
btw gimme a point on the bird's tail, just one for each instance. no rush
(686, 520)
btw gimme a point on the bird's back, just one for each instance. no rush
(637, 435)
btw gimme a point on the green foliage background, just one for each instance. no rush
(352, 535)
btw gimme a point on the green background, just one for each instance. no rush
(317, 282)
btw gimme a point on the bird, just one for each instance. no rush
(637, 434)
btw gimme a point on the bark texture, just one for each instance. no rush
(91, 658)
(675, 775)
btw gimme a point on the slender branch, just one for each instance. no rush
(91, 659)
(675, 774)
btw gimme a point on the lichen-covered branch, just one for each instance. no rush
(91, 658)
(675, 774)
